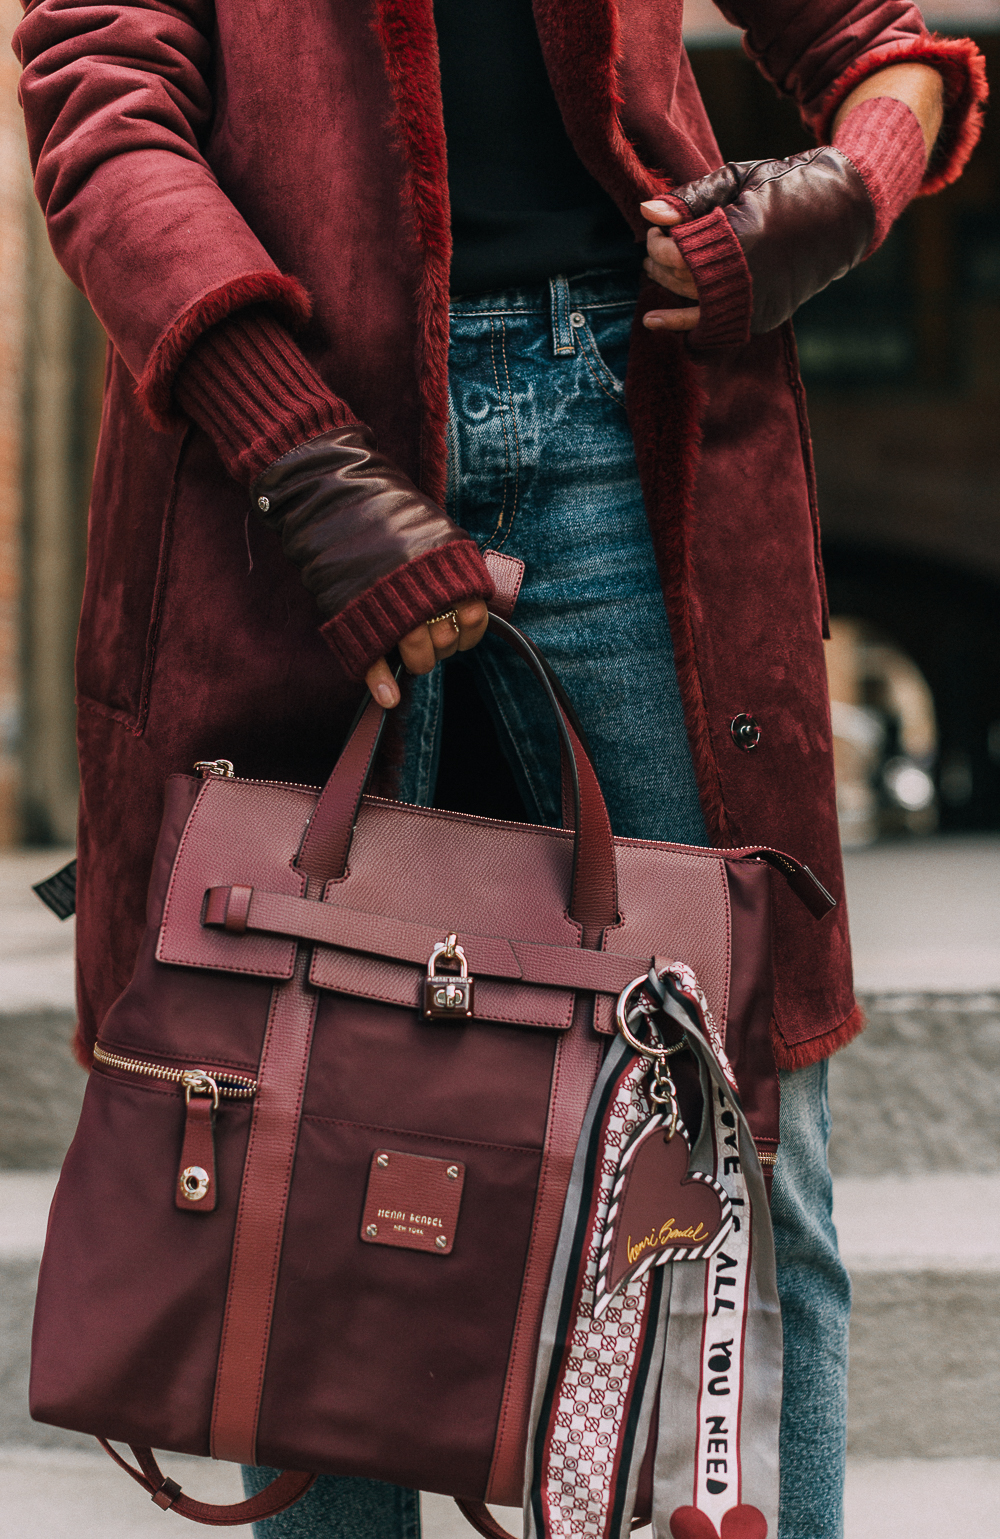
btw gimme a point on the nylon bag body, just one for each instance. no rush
(285, 957)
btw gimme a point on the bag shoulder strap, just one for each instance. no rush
(167, 1494)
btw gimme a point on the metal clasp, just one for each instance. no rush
(197, 1082)
(662, 1091)
(221, 768)
(448, 993)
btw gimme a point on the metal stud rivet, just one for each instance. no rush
(441, 1242)
(577, 319)
(382, 1160)
(194, 1183)
(264, 504)
(372, 1231)
(453, 1172)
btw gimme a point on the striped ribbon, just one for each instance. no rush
(695, 1342)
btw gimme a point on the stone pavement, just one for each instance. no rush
(915, 1154)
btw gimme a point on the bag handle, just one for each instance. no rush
(281, 1494)
(594, 889)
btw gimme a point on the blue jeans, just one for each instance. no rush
(541, 465)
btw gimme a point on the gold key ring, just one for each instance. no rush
(622, 1013)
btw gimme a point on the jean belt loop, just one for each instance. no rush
(563, 338)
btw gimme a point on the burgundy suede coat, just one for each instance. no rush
(195, 156)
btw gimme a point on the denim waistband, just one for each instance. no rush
(559, 296)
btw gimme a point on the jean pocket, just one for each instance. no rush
(603, 338)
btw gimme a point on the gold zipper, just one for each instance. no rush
(234, 1087)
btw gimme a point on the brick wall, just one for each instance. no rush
(13, 197)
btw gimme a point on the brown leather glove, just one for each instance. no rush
(378, 557)
(765, 235)
(800, 223)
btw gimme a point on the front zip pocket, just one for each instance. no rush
(195, 1190)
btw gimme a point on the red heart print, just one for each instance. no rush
(737, 1523)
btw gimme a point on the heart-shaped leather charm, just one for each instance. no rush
(658, 1212)
(737, 1523)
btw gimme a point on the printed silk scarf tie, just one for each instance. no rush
(662, 1303)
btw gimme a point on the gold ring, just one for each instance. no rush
(449, 614)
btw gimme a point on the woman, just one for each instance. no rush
(379, 264)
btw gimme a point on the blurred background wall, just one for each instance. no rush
(902, 363)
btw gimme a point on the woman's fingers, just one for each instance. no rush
(417, 649)
(666, 266)
(382, 684)
(457, 631)
(427, 644)
(685, 319)
(473, 618)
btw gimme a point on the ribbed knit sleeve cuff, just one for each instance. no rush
(251, 388)
(963, 70)
(403, 599)
(722, 278)
(885, 144)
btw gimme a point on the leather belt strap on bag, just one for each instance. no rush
(405, 941)
(238, 909)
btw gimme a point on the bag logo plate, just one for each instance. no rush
(412, 1201)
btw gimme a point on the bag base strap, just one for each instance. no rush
(167, 1494)
(481, 1518)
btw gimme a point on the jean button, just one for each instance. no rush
(578, 318)
(745, 730)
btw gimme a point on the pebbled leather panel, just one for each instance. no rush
(407, 940)
(507, 573)
(236, 832)
(455, 872)
(679, 910)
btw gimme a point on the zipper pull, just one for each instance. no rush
(195, 1191)
(221, 768)
(803, 882)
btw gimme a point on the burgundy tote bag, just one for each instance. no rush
(309, 1214)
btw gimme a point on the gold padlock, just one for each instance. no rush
(448, 995)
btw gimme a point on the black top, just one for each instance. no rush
(523, 208)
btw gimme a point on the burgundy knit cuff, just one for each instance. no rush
(251, 388)
(963, 69)
(722, 278)
(885, 144)
(284, 297)
(397, 603)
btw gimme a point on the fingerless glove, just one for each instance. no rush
(378, 557)
(761, 237)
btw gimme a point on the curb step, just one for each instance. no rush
(924, 1255)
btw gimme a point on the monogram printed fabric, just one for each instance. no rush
(598, 1379)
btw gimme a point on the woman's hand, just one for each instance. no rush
(667, 267)
(427, 645)
(752, 240)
